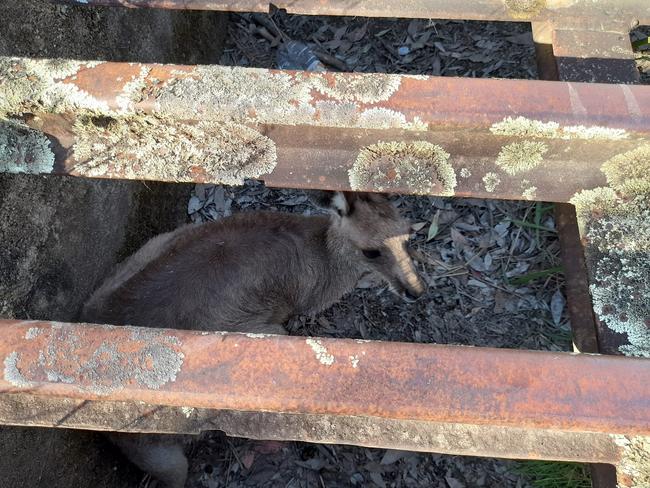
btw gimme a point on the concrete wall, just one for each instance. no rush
(60, 236)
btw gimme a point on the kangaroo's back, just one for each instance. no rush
(248, 270)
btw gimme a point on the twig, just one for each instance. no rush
(267, 22)
(262, 31)
(331, 60)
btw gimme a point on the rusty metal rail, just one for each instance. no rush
(578, 11)
(412, 134)
(447, 394)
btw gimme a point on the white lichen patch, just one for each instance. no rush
(520, 157)
(529, 128)
(619, 253)
(151, 148)
(24, 150)
(33, 333)
(242, 95)
(322, 355)
(601, 199)
(188, 411)
(419, 167)
(383, 118)
(254, 335)
(615, 221)
(12, 374)
(29, 84)
(364, 88)
(523, 127)
(635, 459)
(465, 173)
(529, 193)
(132, 90)
(594, 132)
(332, 114)
(260, 96)
(524, 9)
(354, 361)
(153, 363)
(347, 114)
(629, 173)
(491, 181)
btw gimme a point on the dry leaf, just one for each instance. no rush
(557, 306)
(392, 456)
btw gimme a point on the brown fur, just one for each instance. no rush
(250, 273)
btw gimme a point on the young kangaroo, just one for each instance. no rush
(250, 273)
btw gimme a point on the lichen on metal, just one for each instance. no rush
(520, 157)
(12, 374)
(147, 147)
(383, 118)
(524, 9)
(32, 333)
(131, 91)
(629, 173)
(61, 358)
(39, 84)
(357, 87)
(323, 356)
(420, 166)
(635, 459)
(354, 361)
(24, 150)
(615, 221)
(524, 127)
(242, 95)
(260, 96)
(530, 193)
(491, 181)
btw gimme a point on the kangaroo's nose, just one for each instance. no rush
(409, 296)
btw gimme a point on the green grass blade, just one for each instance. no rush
(530, 225)
(641, 43)
(535, 275)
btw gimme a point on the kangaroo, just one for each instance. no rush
(251, 272)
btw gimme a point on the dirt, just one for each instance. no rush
(37, 28)
(61, 236)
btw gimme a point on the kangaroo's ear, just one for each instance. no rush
(340, 202)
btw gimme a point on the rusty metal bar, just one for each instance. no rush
(249, 372)
(580, 308)
(375, 132)
(578, 11)
(584, 55)
(412, 435)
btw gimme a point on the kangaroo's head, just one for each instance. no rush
(377, 235)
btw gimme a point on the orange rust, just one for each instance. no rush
(106, 81)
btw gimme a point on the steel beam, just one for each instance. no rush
(251, 372)
(577, 11)
(376, 132)
(445, 399)
(387, 433)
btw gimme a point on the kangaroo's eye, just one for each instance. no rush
(371, 253)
